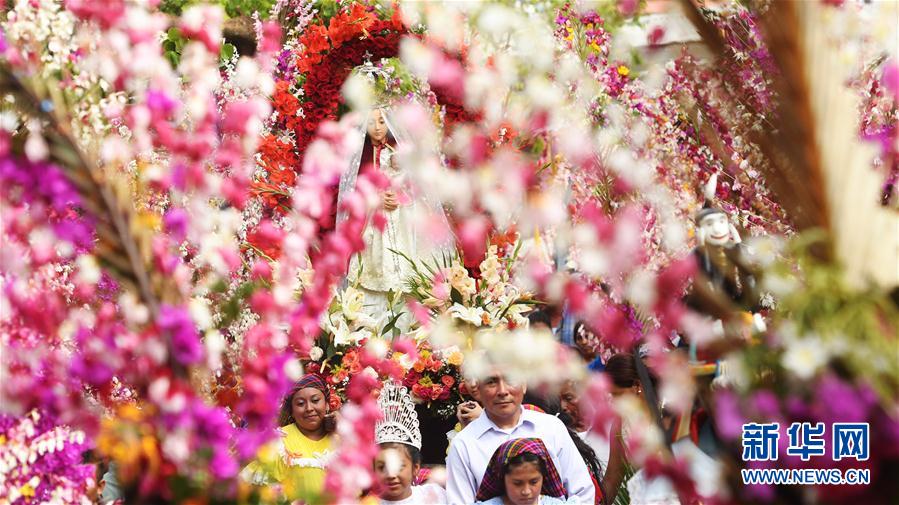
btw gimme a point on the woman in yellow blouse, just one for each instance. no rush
(297, 461)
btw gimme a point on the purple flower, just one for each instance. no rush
(728, 418)
(43, 183)
(838, 401)
(175, 221)
(185, 340)
(160, 103)
(766, 405)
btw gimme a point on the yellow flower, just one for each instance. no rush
(594, 46)
(27, 490)
(623, 70)
(570, 34)
(455, 358)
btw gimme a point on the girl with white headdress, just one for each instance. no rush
(399, 451)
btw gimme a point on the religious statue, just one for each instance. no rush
(383, 266)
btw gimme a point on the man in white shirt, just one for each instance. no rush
(504, 419)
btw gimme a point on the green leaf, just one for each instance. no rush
(227, 51)
(391, 324)
(455, 296)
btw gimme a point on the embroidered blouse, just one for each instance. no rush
(295, 462)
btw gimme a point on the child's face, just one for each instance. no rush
(395, 471)
(523, 484)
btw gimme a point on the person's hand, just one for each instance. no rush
(467, 412)
(390, 201)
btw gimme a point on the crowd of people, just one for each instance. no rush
(515, 446)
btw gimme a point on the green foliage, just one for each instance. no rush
(173, 45)
(623, 497)
(327, 9)
(231, 307)
(233, 8)
(401, 81)
(818, 302)
(174, 42)
(227, 52)
(174, 7)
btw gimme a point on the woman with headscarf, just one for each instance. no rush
(521, 472)
(297, 461)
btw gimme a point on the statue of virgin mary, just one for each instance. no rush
(379, 269)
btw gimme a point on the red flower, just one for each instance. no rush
(351, 361)
(334, 402)
(267, 238)
(315, 40)
(448, 381)
(346, 26)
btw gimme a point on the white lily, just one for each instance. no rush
(343, 336)
(473, 315)
(352, 303)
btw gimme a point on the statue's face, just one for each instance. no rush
(716, 229)
(377, 127)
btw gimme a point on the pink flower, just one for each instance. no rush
(891, 77)
(473, 237)
(628, 7)
(447, 76)
(105, 13)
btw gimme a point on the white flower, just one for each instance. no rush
(343, 336)
(377, 347)
(215, 345)
(88, 270)
(516, 311)
(473, 315)
(804, 357)
(293, 369)
(405, 361)
(316, 353)
(199, 312)
(358, 92)
(352, 301)
(460, 280)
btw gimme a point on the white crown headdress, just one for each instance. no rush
(400, 422)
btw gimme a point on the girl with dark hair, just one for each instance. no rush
(588, 455)
(622, 370)
(398, 461)
(521, 472)
(298, 460)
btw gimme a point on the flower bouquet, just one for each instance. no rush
(346, 328)
(434, 379)
(490, 301)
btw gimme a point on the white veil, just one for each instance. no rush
(427, 208)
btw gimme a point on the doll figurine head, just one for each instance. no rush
(715, 229)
